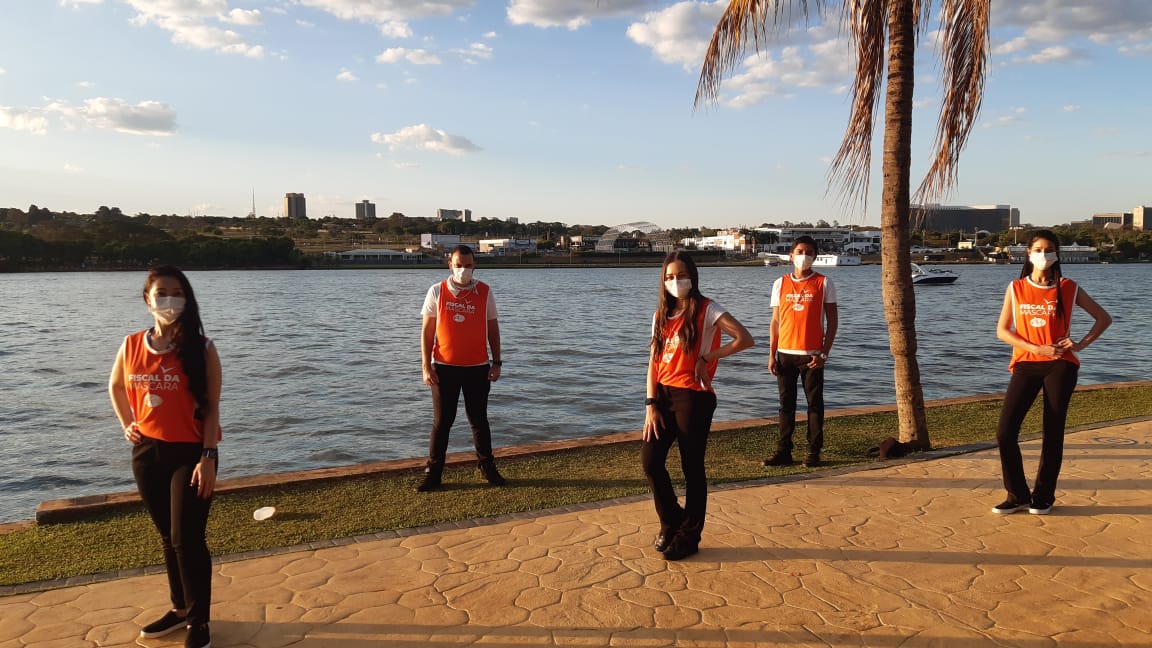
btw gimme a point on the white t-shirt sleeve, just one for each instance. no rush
(776, 292)
(491, 307)
(829, 291)
(714, 312)
(431, 301)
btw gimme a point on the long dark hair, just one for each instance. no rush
(668, 305)
(1055, 271)
(188, 333)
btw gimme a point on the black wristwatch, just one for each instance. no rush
(649, 401)
(497, 363)
(210, 453)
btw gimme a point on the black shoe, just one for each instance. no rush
(165, 625)
(431, 483)
(488, 469)
(1008, 507)
(811, 461)
(1040, 508)
(198, 636)
(663, 541)
(681, 547)
(779, 459)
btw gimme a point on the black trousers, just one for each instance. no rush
(687, 417)
(791, 368)
(474, 384)
(163, 472)
(1057, 379)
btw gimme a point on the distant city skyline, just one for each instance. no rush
(536, 110)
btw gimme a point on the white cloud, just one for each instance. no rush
(75, 4)
(345, 75)
(1004, 120)
(1127, 154)
(923, 103)
(413, 56)
(1124, 24)
(3, 71)
(678, 34)
(1072, 108)
(144, 118)
(390, 16)
(490, 34)
(406, 165)
(573, 15)
(305, 23)
(31, 120)
(423, 136)
(1054, 54)
(243, 17)
(188, 21)
(474, 51)
(72, 168)
(86, 84)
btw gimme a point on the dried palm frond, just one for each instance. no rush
(742, 21)
(964, 46)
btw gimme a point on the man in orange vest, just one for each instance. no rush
(802, 301)
(459, 328)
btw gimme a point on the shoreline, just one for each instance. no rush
(70, 509)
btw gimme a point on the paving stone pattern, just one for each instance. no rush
(900, 555)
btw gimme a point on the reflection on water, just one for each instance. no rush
(323, 367)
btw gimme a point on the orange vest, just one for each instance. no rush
(462, 326)
(800, 315)
(1034, 317)
(158, 392)
(676, 366)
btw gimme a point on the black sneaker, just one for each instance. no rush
(663, 541)
(812, 461)
(165, 625)
(198, 637)
(1008, 507)
(491, 475)
(779, 459)
(681, 547)
(430, 483)
(1040, 508)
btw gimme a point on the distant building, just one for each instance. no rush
(365, 210)
(375, 257)
(966, 218)
(294, 206)
(445, 241)
(731, 241)
(512, 220)
(828, 239)
(1124, 219)
(462, 215)
(1142, 218)
(1072, 253)
(505, 247)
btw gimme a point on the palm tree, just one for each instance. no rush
(883, 34)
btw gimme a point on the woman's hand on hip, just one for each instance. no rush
(132, 434)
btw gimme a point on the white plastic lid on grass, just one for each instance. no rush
(264, 513)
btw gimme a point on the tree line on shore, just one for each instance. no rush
(41, 239)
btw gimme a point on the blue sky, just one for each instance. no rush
(577, 111)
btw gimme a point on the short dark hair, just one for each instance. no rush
(804, 240)
(462, 250)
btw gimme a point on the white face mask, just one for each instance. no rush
(462, 276)
(678, 287)
(167, 309)
(802, 261)
(1042, 260)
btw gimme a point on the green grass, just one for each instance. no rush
(308, 513)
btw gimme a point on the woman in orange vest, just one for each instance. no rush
(684, 353)
(1036, 320)
(165, 389)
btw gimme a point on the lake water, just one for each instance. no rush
(322, 368)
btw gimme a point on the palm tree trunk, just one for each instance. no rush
(899, 298)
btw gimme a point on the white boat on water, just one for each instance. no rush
(932, 275)
(830, 260)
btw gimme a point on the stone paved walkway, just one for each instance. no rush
(900, 555)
